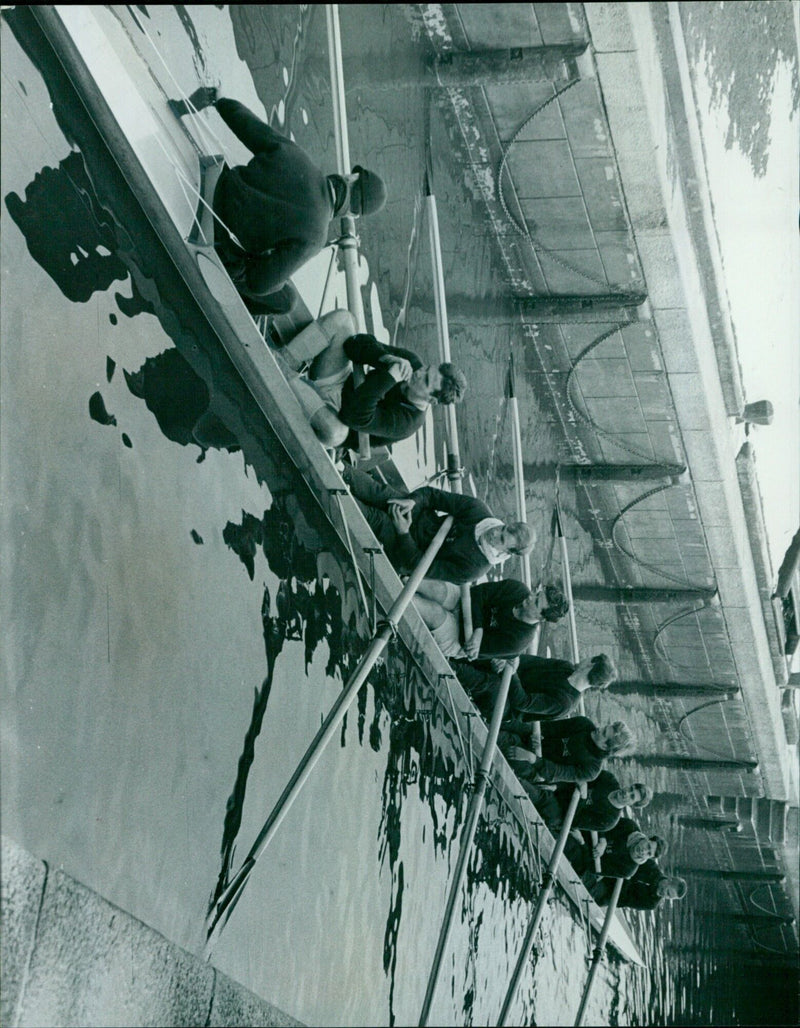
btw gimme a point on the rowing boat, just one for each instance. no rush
(170, 168)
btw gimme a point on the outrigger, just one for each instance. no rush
(171, 168)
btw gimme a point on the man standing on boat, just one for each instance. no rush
(505, 616)
(272, 214)
(391, 402)
(406, 523)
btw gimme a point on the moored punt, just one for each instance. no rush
(160, 160)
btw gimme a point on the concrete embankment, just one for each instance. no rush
(70, 957)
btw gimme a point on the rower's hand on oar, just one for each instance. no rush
(521, 754)
(398, 367)
(201, 98)
(473, 644)
(499, 664)
(583, 789)
(599, 849)
(400, 513)
(204, 96)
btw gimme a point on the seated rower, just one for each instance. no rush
(542, 689)
(505, 616)
(620, 851)
(601, 807)
(405, 525)
(391, 402)
(647, 889)
(573, 750)
(273, 213)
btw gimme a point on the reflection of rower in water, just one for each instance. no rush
(275, 210)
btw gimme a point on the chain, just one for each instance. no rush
(523, 229)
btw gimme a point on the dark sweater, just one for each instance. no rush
(539, 691)
(460, 559)
(617, 861)
(596, 813)
(278, 205)
(569, 754)
(379, 405)
(639, 891)
(492, 606)
(547, 694)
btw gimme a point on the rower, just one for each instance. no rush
(505, 616)
(389, 405)
(404, 523)
(273, 213)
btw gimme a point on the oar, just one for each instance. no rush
(347, 242)
(573, 629)
(522, 507)
(455, 471)
(598, 950)
(519, 474)
(476, 805)
(227, 901)
(548, 881)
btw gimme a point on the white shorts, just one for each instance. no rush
(330, 388)
(448, 634)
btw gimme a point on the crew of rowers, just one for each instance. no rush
(273, 215)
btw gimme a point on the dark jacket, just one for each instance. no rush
(596, 813)
(379, 405)
(639, 891)
(492, 606)
(459, 560)
(539, 691)
(546, 692)
(617, 862)
(569, 754)
(278, 205)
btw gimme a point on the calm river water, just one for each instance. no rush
(178, 618)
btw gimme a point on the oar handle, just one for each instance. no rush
(541, 901)
(476, 805)
(598, 950)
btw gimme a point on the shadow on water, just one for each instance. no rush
(86, 231)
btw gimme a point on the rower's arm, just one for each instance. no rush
(268, 272)
(249, 129)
